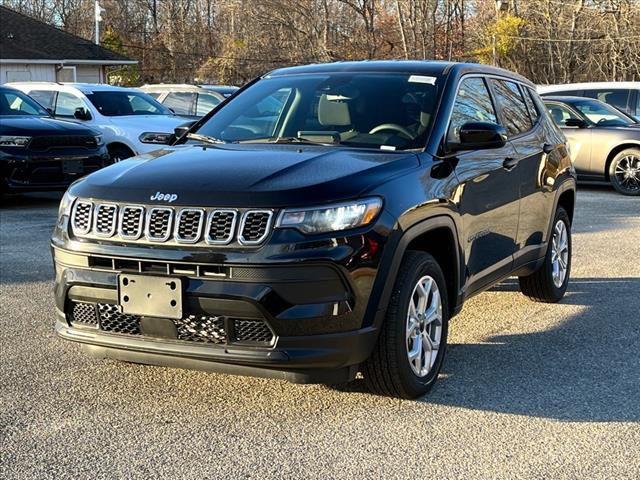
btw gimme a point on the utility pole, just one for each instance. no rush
(98, 18)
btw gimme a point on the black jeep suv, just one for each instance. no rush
(40, 153)
(327, 220)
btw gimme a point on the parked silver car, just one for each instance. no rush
(604, 141)
(185, 100)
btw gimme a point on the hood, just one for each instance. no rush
(148, 123)
(245, 175)
(32, 125)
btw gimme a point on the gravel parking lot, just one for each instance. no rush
(528, 390)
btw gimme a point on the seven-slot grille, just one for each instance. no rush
(221, 226)
(159, 224)
(105, 219)
(162, 224)
(189, 225)
(255, 226)
(81, 218)
(131, 222)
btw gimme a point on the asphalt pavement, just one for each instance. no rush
(527, 390)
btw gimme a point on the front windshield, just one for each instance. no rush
(602, 114)
(121, 104)
(13, 103)
(372, 110)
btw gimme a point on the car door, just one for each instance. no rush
(487, 195)
(580, 138)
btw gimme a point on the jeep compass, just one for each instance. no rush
(327, 220)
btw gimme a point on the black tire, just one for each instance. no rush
(630, 186)
(539, 286)
(388, 371)
(119, 152)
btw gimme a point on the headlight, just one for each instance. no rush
(155, 137)
(331, 218)
(66, 204)
(14, 141)
(99, 140)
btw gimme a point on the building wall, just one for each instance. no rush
(88, 73)
(16, 72)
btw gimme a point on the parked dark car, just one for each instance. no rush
(604, 141)
(39, 153)
(327, 220)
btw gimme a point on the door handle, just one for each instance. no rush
(547, 149)
(509, 163)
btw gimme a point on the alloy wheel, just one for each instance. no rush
(424, 326)
(559, 253)
(627, 173)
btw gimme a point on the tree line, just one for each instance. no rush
(233, 41)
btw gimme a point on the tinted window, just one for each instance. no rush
(617, 98)
(473, 104)
(180, 102)
(206, 103)
(560, 114)
(531, 106)
(511, 103)
(66, 104)
(17, 103)
(46, 98)
(365, 110)
(119, 103)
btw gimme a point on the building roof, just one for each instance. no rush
(24, 38)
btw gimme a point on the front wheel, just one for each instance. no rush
(118, 153)
(549, 283)
(624, 172)
(410, 350)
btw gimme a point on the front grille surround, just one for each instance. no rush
(181, 225)
(81, 217)
(105, 219)
(131, 222)
(250, 234)
(172, 225)
(165, 225)
(230, 219)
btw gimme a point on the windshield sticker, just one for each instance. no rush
(422, 79)
(387, 147)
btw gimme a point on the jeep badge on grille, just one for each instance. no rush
(166, 197)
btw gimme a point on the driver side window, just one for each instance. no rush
(473, 104)
(66, 104)
(561, 114)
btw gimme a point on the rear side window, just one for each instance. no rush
(46, 98)
(473, 104)
(180, 102)
(618, 98)
(511, 103)
(531, 106)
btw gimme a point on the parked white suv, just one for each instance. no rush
(131, 121)
(622, 95)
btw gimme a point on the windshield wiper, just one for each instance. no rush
(205, 138)
(300, 140)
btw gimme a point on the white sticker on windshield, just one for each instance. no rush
(422, 79)
(387, 147)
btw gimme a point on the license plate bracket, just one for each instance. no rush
(150, 296)
(72, 167)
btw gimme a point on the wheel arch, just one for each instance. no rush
(615, 151)
(437, 236)
(121, 144)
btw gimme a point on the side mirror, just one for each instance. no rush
(480, 136)
(181, 130)
(81, 113)
(575, 122)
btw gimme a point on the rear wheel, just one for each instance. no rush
(118, 153)
(549, 283)
(410, 350)
(624, 172)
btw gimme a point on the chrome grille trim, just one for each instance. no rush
(179, 223)
(74, 213)
(112, 219)
(241, 238)
(150, 218)
(140, 227)
(234, 221)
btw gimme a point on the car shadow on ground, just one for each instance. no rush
(45, 199)
(587, 368)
